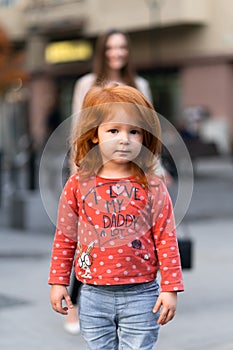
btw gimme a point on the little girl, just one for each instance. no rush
(116, 215)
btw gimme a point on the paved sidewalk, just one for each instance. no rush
(26, 318)
(204, 318)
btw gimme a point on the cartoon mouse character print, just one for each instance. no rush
(85, 260)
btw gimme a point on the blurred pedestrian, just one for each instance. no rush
(117, 262)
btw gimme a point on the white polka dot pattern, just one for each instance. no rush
(136, 219)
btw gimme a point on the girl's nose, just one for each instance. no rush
(124, 137)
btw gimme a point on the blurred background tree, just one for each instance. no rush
(11, 64)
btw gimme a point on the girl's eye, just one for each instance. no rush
(135, 132)
(113, 131)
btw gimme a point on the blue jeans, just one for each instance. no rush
(119, 317)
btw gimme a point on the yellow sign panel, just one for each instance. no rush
(68, 51)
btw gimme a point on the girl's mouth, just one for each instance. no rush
(122, 151)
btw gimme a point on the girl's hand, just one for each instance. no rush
(168, 301)
(58, 293)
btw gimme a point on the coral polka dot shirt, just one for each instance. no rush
(116, 231)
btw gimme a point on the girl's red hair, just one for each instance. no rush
(98, 104)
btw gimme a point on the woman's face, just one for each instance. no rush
(116, 51)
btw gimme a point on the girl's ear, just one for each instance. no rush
(95, 139)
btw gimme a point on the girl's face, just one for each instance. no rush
(116, 51)
(120, 138)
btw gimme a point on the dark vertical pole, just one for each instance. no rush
(32, 168)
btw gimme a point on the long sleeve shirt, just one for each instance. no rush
(118, 230)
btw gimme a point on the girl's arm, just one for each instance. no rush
(65, 241)
(165, 240)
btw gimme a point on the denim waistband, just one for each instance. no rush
(121, 287)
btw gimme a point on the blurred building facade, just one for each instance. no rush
(183, 47)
